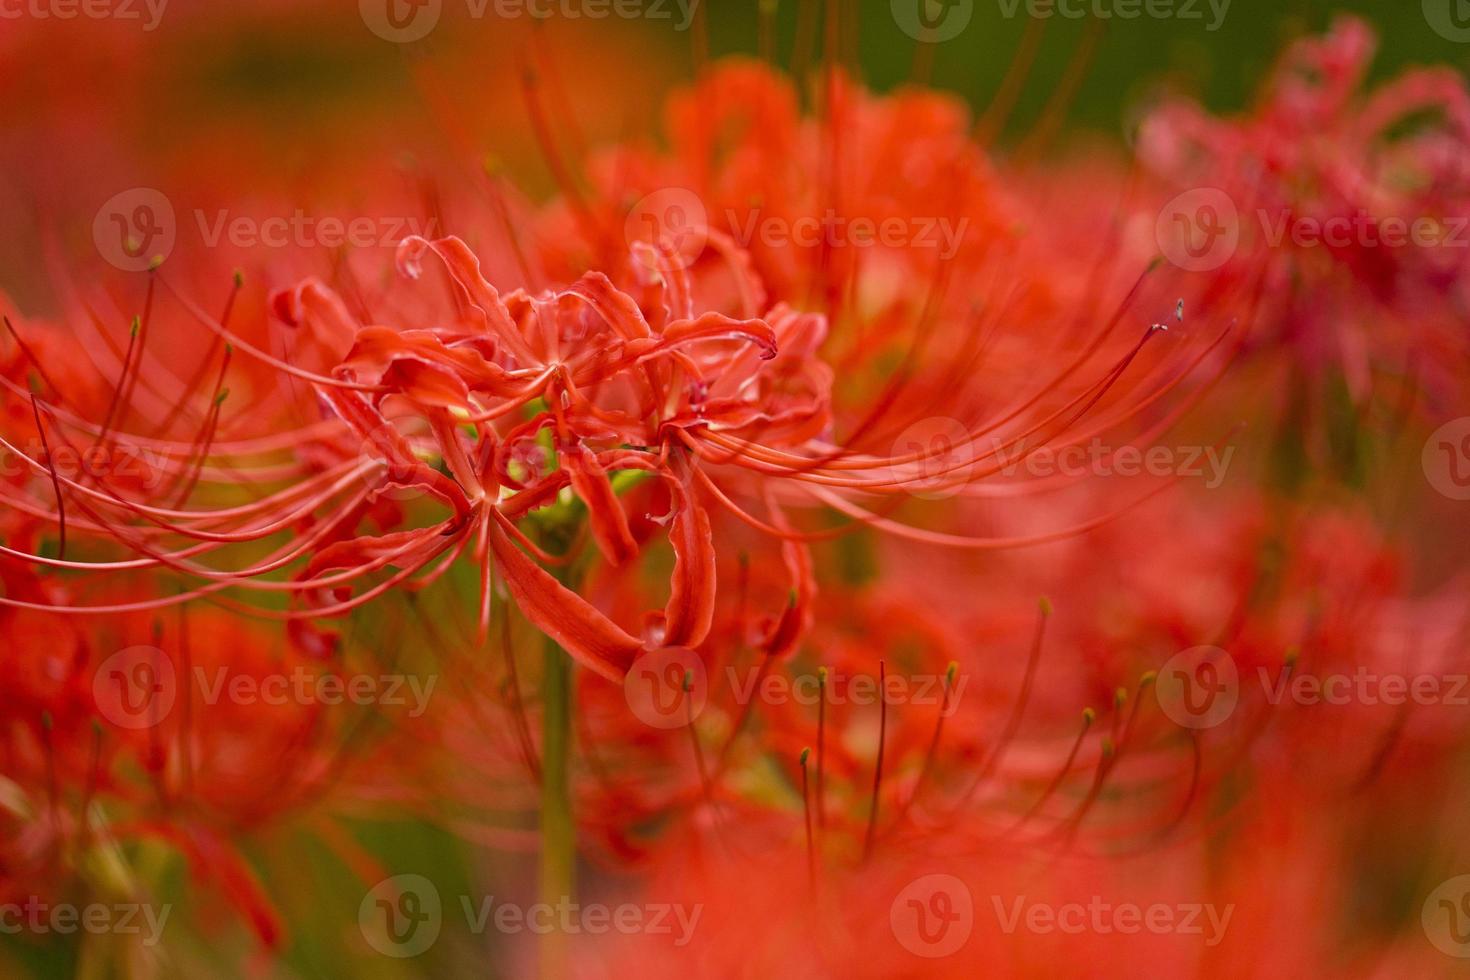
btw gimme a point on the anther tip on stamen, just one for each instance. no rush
(239, 278)
(1044, 604)
(1088, 716)
(805, 754)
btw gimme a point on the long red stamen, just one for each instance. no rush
(822, 748)
(1088, 716)
(55, 483)
(35, 361)
(878, 765)
(806, 808)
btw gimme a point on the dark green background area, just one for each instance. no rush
(1223, 67)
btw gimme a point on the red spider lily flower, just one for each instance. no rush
(1346, 205)
(646, 385)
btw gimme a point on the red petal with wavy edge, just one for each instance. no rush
(615, 307)
(464, 269)
(405, 468)
(591, 638)
(419, 364)
(356, 552)
(691, 607)
(608, 522)
(717, 326)
(311, 303)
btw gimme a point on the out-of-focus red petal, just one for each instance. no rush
(795, 618)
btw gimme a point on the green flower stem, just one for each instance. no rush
(558, 831)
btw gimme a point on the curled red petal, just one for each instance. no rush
(608, 522)
(591, 638)
(717, 326)
(691, 607)
(464, 268)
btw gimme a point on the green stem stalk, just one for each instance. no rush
(558, 831)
